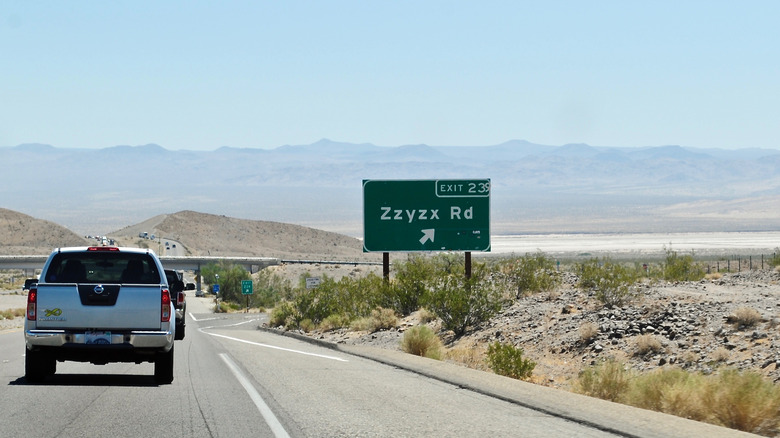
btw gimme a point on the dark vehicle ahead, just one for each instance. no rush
(29, 283)
(176, 285)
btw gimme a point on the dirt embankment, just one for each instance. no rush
(687, 324)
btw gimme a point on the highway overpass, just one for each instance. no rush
(33, 263)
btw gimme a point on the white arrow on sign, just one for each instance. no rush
(427, 235)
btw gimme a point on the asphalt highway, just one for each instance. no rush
(233, 380)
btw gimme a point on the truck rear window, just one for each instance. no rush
(103, 267)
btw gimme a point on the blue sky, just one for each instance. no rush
(199, 75)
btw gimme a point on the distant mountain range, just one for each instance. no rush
(535, 188)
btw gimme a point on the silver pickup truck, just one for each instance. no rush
(100, 304)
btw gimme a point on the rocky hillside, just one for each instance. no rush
(23, 234)
(215, 235)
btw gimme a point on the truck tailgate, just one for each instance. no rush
(92, 306)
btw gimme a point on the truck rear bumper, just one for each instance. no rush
(161, 340)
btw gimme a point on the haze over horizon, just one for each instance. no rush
(199, 76)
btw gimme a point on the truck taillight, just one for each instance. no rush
(32, 304)
(180, 299)
(165, 312)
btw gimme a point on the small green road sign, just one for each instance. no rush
(426, 215)
(246, 287)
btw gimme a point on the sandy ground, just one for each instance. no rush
(12, 300)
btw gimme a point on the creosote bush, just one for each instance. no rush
(462, 303)
(678, 267)
(283, 315)
(420, 340)
(531, 273)
(507, 360)
(613, 282)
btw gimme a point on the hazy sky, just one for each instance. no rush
(261, 74)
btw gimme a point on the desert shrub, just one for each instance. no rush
(678, 267)
(647, 343)
(531, 273)
(333, 322)
(318, 303)
(351, 298)
(410, 284)
(282, 313)
(775, 260)
(448, 264)
(507, 360)
(229, 277)
(422, 341)
(462, 303)
(269, 289)
(612, 282)
(609, 380)
(745, 317)
(744, 401)
(307, 325)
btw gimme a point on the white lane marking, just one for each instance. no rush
(258, 344)
(204, 319)
(265, 411)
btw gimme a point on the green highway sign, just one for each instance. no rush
(246, 287)
(426, 215)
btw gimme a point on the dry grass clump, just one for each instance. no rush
(720, 354)
(11, 313)
(745, 317)
(472, 357)
(420, 340)
(647, 343)
(738, 400)
(744, 401)
(608, 380)
(588, 332)
(672, 390)
(425, 315)
(689, 357)
(380, 319)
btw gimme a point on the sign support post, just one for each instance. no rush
(247, 290)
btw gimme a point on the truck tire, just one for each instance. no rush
(163, 368)
(38, 365)
(179, 332)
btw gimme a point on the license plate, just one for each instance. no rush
(97, 337)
